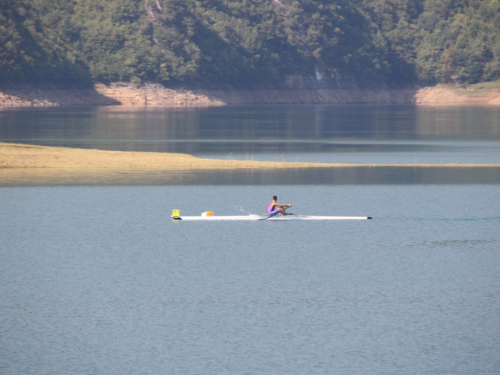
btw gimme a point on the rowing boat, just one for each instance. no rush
(265, 217)
(209, 216)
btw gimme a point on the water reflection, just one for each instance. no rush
(313, 176)
(363, 134)
(458, 123)
(263, 129)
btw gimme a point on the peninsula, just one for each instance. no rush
(31, 156)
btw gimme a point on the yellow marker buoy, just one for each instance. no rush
(176, 213)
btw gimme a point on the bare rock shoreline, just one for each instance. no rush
(156, 95)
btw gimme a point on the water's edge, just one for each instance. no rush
(28, 95)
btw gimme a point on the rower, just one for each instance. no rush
(274, 207)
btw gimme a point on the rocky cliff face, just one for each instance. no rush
(329, 81)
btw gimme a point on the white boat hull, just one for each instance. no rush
(265, 217)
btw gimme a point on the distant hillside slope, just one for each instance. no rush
(251, 43)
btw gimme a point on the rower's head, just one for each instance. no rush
(275, 198)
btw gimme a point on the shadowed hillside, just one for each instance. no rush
(251, 44)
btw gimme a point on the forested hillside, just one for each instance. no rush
(250, 43)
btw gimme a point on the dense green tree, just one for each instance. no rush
(32, 49)
(250, 43)
(397, 23)
(460, 41)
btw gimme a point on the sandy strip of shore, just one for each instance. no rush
(31, 156)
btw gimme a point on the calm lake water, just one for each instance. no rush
(334, 134)
(95, 278)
